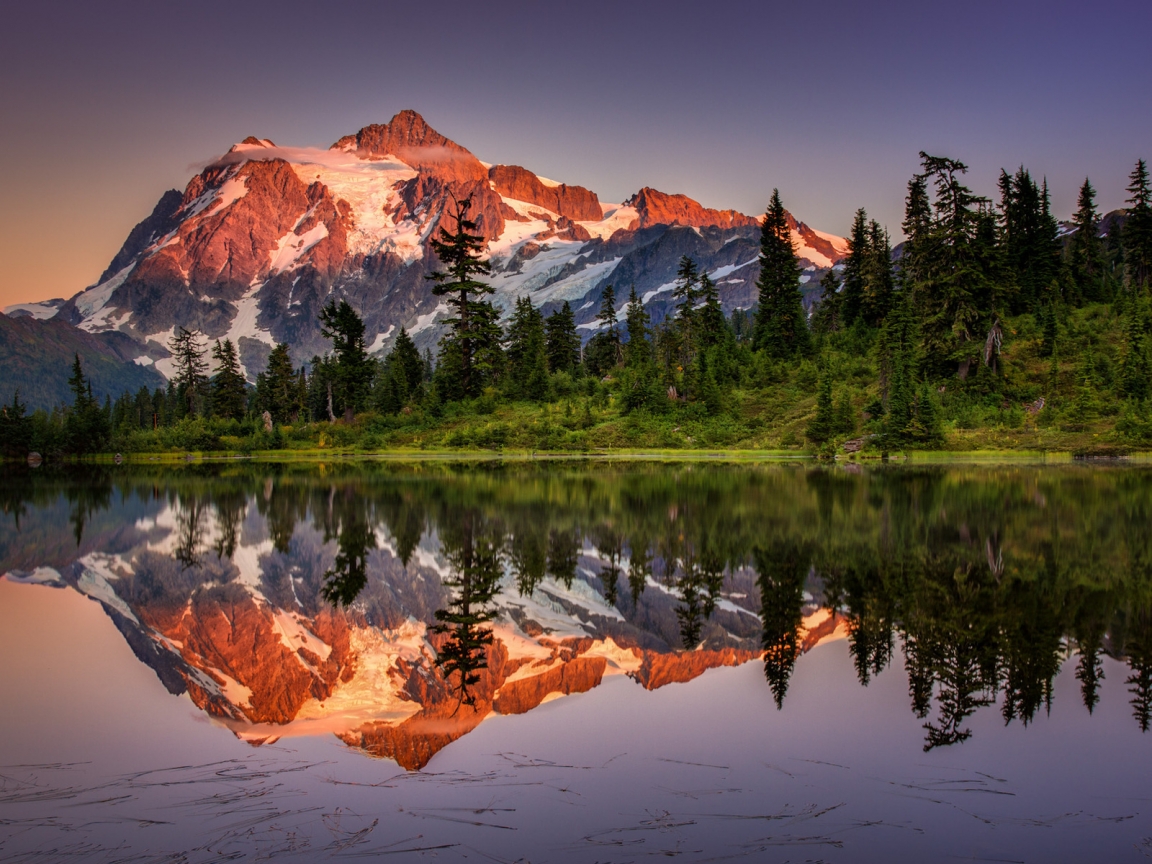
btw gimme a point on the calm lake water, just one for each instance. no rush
(575, 661)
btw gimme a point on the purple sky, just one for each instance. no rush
(106, 105)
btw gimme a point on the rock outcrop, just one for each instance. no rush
(408, 137)
(574, 202)
(659, 208)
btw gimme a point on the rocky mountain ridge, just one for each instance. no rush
(263, 237)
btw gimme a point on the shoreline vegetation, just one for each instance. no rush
(991, 328)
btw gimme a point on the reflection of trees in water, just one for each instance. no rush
(609, 545)
(782, 568)
(980, 580)
(474, 548)
(948, 617)
(346, 518)
(1138, 647)
(191, 529)
(87, 499)
(700, 579)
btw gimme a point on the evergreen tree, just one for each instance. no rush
(876, 277)
(1135, 365)
(277, 388)
(844, 416)
(459, 252)
(527, 359)
(605, 350)
(405, 358)
(947, 272)
(352, 370)
(781, 325)
(917, 228)
(402, 377)
(829, 315)
(898, 369)
(86, 425)
(229, 390)
(684, 294)
(1138, 229)
(607, 318)
(1029, 239)
(563, 342)
(15, 429)
(711, 325)
(639, 350)
(855, 264)
(1085, 255)
(823, 425)
(191, 378)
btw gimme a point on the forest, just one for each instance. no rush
(992, 326)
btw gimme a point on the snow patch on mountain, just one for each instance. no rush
(92, 304)
(292, 247)
(617, 217)
(720, 272)
(381, 338)
(217, 200)
(40, 311)
(244, 324)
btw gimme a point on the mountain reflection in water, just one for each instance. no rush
(397, 606)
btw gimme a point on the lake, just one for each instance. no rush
(577, 660)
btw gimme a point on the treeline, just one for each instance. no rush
(989, 314)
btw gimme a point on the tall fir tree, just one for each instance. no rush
(277, 388)
(352, 369)
(1085, 255)
(684, 294)
(899, 369)
(191, 378)
(229, 389)
(605, 350)
(947, 275)
(781, 325)
(459, 253)
(563, 341)
(638, 351)
(823, 425)
(527, 358)
(876, 277)
(15, 428)
(86, 425)
(1138, 229)
(402, 376)
(855, 264)
(829, 314)
(711, 325)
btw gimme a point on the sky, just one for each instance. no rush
(104, 106)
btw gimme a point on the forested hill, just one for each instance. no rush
(36, 357)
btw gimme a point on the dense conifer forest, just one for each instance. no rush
(991, 326)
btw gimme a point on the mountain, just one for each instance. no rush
(36, 356)
(263, 237)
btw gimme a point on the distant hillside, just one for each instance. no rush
(36, 357)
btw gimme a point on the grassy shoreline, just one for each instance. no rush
(322, 455)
